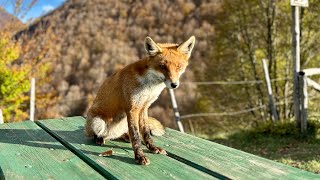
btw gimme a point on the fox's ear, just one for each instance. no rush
(187, 46)
(151, 47)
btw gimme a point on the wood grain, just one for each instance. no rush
(28, 152)
(227, 161)
(121, 164)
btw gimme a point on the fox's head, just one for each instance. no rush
(168, 61)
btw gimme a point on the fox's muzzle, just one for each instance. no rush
(171, 85)
(174, 85)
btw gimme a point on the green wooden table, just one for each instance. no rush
(58, 149)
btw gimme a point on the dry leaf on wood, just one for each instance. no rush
(106, 153)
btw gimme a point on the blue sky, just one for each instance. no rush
(40, 8)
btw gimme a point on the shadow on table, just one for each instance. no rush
(39, 138)
(2, 177)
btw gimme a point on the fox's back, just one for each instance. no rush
(107, 102)
(131, 86)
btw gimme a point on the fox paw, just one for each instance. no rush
(143, 160)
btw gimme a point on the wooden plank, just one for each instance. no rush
(28, 152)
(121, 164)
(313, 84)
(311, 71)
(227, 161)
(76, 151)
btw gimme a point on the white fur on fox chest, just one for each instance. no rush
(150, 89)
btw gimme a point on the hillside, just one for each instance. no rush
(85, 41)
(6, 18)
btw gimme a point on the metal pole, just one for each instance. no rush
(32, 98)
(1, 117)
(303, 93)
(271, 101)
(296, 62)
(175, 110)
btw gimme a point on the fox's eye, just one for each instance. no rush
(179, 67)
(162, 66)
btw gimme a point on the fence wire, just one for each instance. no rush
(223, 113)
(232, 113)
(230, 82)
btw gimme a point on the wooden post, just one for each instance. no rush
(1, 117)
(32, 98)
(275, 117)
(303, 94)
(313, 84)
(175, 110)
(296, 61)
(311, 71)
(191, 127)
(304, 105)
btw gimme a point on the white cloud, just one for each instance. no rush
(47, 8)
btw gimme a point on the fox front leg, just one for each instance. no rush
(133, 119)
(145, 133)
(98, 140)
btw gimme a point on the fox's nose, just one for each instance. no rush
(174, 85)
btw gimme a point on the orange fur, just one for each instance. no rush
(122, 102)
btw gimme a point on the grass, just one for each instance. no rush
(281, 142)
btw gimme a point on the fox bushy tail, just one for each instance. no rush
(156, 128)
(97, 126)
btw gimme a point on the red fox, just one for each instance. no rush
(120, 108)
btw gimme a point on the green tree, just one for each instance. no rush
(245, 33)
(16, 70)
(14, 83)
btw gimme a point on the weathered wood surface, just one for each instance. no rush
(227, 161)
(214, 159)
(121, 164)
(28, 152)
(32, 152)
